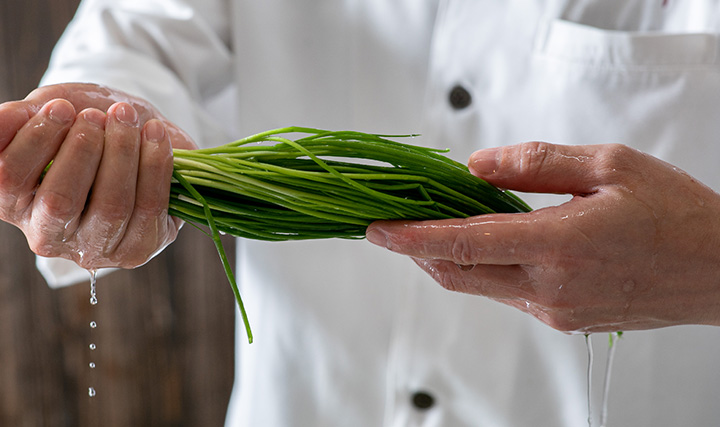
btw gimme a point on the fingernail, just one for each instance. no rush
(376, 237)
(94, 117)
(126, 114)
(485, 162)
(154, 131)
(61, 112)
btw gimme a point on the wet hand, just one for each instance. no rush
(103, 202)
(88, 95)
(637, 247)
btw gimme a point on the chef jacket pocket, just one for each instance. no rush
(594, 47)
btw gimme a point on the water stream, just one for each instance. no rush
(613, 343)
(93, 324)
(588, 345)
(613, 340)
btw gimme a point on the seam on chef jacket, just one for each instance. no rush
(633, 50)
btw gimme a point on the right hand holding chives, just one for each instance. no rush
(637, 247)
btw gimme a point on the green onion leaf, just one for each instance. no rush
(321, 185)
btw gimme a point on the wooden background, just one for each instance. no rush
(165, 331)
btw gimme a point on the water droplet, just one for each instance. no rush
(93, 290)
(93, 324)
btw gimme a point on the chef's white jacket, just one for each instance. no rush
(348, 334)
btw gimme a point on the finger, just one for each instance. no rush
(88, 95)
(503, 239)
(85, 95)
(113, 194)
(510, 285)
(543, 314)
(541, 167)
(13, 116)
(62, 195)
(150, 217)
(514, 286)
(508, 282)
(33, 147)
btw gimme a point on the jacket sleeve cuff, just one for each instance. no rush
(60, 272)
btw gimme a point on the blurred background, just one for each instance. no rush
(164, 331)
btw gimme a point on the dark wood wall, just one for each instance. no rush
(165, 331)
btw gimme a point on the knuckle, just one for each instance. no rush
(46, 227)
(439, 271)
(148, 209)
(88, 260)
(143, 242)
(617, 158)
(133, 258)
(463, 249)
(449, 282)
(10, 180)
(450, 279)
(532, 156)
(115, 211)
(42, 246)
(560, 313)
(57, 205)
(616, 152)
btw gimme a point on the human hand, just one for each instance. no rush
(88, 95)
(637, 247)
(104, 200)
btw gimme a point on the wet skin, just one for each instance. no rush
(637, 247)
(104, 200)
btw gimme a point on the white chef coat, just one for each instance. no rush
(347, 334)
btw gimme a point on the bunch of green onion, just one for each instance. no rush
(323, 184)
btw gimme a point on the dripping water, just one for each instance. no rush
(612, 347)
(93, 324)
(588, 345)
(93, 289)
(613, 343)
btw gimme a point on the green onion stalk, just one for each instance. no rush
(321, 184)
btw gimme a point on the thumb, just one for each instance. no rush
(538, 167)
